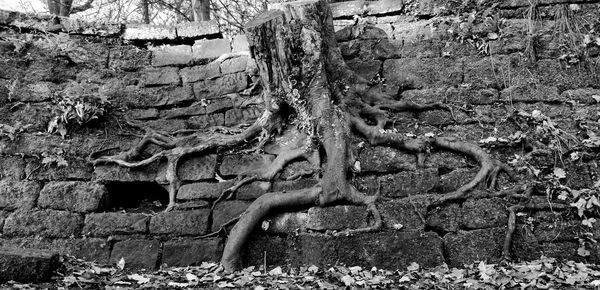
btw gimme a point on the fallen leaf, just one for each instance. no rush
(121, 264)
(138, 278)
(347, 280)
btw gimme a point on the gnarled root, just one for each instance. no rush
(370, 202)
(255, 213)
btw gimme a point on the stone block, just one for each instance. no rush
(445, 218)
(386, 160)
(77, 169)
(213, 88)
(27, 265)
(457, 178)
(233, 65)
(12, 168)
(200, 72)
(114, 223)
(466, 247)
(415, 73)
(287, 222)
(166, 125)
(180, 223)
(119, 173)
(197, 168)
(47, 223)
(336, 218)
(143, 114)
(351, 8)
(239, 43)
(171, 55)
(210, 48)
(414, 31)
(554, 227)
(436, 118)
(409, 182)
(195, 109)
(75, 196)
(241, 116)
(255, 189)
(202, 190)
(405, 214)
(387, 250)
(138, 254)
(484, 213)
(197, 29)
(149, 32)
(226, 211)
(244, 163)
(446, 161)
(530, 93)
(19, 194)
(181, 253)
(159, 96)
(128, 58)
(219, 105)
(161, 76)
(488, 72)
(36, 92)
(583, 96)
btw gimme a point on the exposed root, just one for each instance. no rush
(370, 202)
(512, 219)
(255, 213)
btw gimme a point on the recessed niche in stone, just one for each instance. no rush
(143, 197)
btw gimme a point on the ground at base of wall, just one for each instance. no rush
(543, 273)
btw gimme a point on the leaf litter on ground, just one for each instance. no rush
(544, 273)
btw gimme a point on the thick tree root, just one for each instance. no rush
(254, 214)
(174, 151)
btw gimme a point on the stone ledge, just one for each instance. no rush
(27, 265)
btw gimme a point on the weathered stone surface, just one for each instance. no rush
(225, 211)
(197, 29)
(159, 96)
(200, 72)
(240, 116)
(411, 30)
(583, 96)
(405, 214)
(149, 32)
(219, 105)
(36, 92)
(492, 71)
(171, 55)
(111, 223)
(274, 248)
(530, 93)
(46, 223)
(477, 245)
(336, 217)
(27, 266)
(12, 168)
(169, 126)
(446, 218)
(120, 173)
(19, 194)
(388, 250)
(414, 73)
(366, 69)
(384, 160)
(180, 223)
(484, 213)
(255, 189)
(128, 58)
(202, 190)
(457, 178)
(553, 227)
(233, 65)
(244, 163)
(211, 48)
(77, 169)
(350, 8)
(197, 168)
(138, 254)
(446, 161)
(210, 89)
(205, 121)
(143, 114)
(409, 182)
(287, 222)
(161, 76)
(180, 253)
(73, 196)
(239, 43)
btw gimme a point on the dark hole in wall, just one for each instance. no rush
(141, 197)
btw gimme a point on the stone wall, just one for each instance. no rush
(163, 78)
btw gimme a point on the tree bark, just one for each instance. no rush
(201, 10)
(145, 6)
